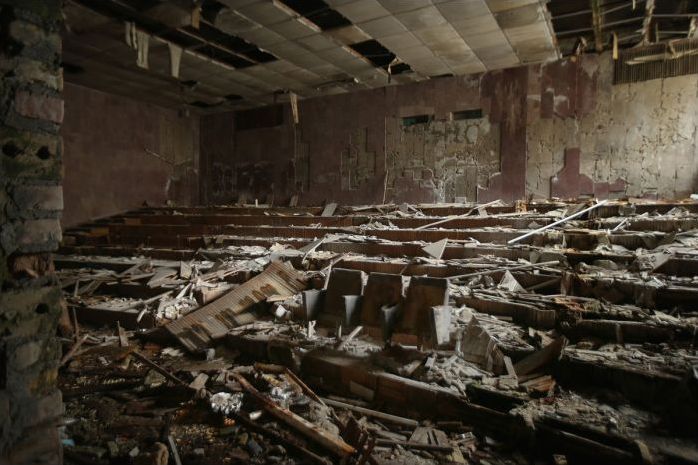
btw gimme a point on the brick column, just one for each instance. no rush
(31, 111)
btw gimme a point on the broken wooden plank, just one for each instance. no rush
(199, 329)
(332, 443)
(329, 209)
(558, 222)
(373, 413)
(451, 218)
(540, 359)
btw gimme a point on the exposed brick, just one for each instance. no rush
(47, 198)
(30, 162)
(38, 232)
(30, 34)
(37, 72)
(25, 355)
(39, 106)
(48, 407)
(31, 266)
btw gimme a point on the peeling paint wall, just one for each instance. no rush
(635, 139)
(356, 148)
(112, 150)
(631, 139)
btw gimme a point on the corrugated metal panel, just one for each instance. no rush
(656, 61)
(198, 329)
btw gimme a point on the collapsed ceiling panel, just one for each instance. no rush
(259, 49)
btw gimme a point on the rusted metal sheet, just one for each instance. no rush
(198, 329)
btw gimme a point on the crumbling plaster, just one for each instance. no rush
(642, 133)
(632, 139)
(355, 148)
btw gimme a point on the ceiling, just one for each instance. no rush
(246, 53)
(589, 25)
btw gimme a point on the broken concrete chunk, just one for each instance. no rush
(436, 249)
(329, 209)
(510, 283)
(479, 347)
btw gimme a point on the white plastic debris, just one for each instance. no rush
(225, 402)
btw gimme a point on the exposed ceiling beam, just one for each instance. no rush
(597, 21)
(603, 26)
(647, 22)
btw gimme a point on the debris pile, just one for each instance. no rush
(545, 332)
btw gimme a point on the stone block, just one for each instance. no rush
(37, 106)
(36, 72)
(20, 305)
(47, 198)
(25, 355)
(48, 408)
(42, 233)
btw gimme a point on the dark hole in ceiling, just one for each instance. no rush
(234, 43)
(400, 68)
(318, 12)
(194, 39)
(573, 20)
(233, 97)
(210, 9)
(374, 52)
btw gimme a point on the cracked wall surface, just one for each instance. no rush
(641, 133)
(450, 157)
(631, 139)
(357, 148)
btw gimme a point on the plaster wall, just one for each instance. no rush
(361, 148)
(639, 136)
(120, 153)
(561, 129)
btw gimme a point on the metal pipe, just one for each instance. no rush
(551, 225)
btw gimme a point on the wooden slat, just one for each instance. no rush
(198, 329)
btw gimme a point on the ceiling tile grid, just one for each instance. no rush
(258, 49)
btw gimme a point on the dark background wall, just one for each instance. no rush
(370, 147)
(119, 153)
(634, 139)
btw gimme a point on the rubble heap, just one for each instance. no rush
(550, 332)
